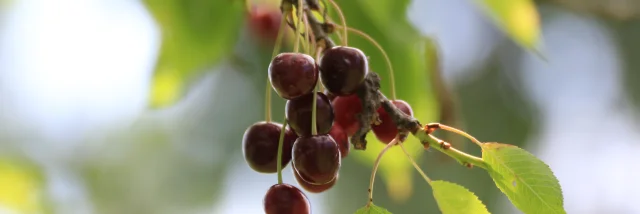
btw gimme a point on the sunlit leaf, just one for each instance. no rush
(372, 209)
(518, 18)
(527, 181)
(453, 198)
(195, 34)
(21, 187)
(387, 23)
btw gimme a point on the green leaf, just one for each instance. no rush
(453, 198)
(195, 34)
(373, 209)
(527, 181)
(518, 18)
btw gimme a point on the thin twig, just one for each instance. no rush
(375, 168)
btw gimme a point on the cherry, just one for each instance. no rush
(314, 188)
(342, 69)
(264, 23)
(341, 138)
(316, 158)
(293, 74)
(285, 199)
(299, 113)
(387, 130)
(260, 146)
(346, 109)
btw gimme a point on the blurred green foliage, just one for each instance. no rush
(195, 35)
(518, 18)
(22, 186)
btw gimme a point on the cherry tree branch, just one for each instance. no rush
(371, 99)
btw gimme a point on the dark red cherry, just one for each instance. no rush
(312, 187)
(316, 158)
(260, 146)
(299, 112)
(387, 130)
(264, 23)
(342, 69)
(285, 199)
(341, 138)
(346, 109)
(293, 74)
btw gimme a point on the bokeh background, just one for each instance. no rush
(121, 106)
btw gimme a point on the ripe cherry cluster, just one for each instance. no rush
(316, 154)
(319, 123)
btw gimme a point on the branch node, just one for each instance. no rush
(468, 165)
(431, 127)
(426, 145)
(444, 145)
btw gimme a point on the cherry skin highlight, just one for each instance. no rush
(316, 158)
(341, 138)
(285, 199)
(299, 112)
(342, 69)
(346, 109)
(293, 74)
(387, 130)
(314, 188)
(260, 146)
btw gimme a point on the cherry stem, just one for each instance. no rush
(375, 168)
(247, 5)
(318, 31)
(342, 19)
(276, 49)
(415, 165)
(460, 132)
(314, 127)
(280, 145)
(384, 54)
(298, 22)
(430, 141)
(319, 85)
(309, 36)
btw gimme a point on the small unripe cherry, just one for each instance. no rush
(387, 130)
(341, 138)
(346, 109)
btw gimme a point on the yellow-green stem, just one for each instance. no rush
(298, 22)
(415, 165)
(460, 132)
(276, 50)
(280, 145)
(344, 21)
(314, 127)
(375, 169)
(461, 157)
